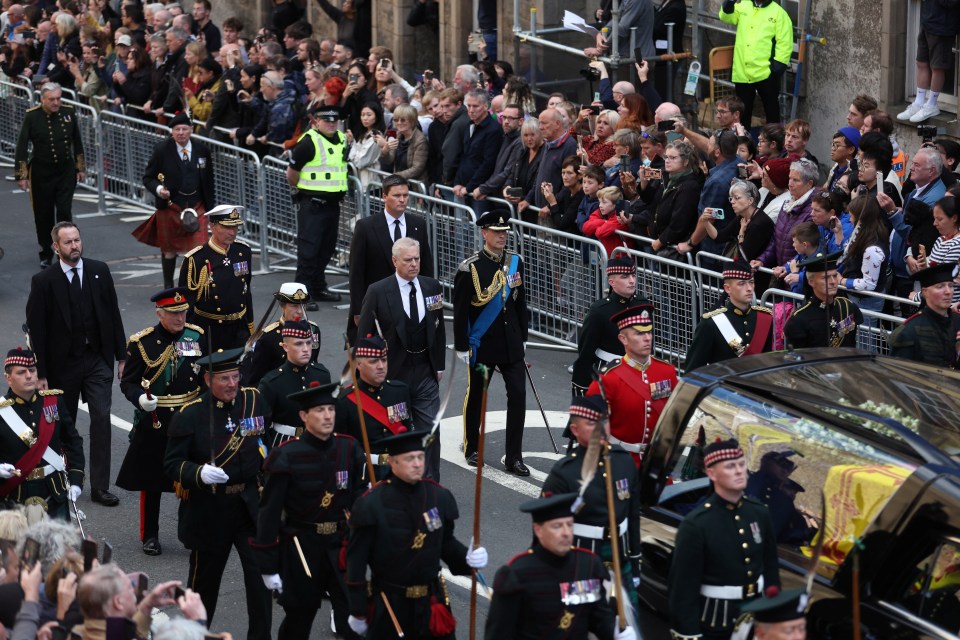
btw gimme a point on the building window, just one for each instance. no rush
(948, 97)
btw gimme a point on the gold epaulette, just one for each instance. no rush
(34, 108)
(193, 251)
(796, 310)
(51, 392)
(194, 401)
(271, 327)
(194, 327)
(710, 314)
(465, 265)
(140, 334)
(6, 402)
(250, 389)
(762, 308)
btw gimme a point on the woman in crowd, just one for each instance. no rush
(864, 262)
(626, 142)
(355, 95)
(560, 213)
(745, 241)
(406, 155)
(428, 110)
(68, 48)
(801, 185)
(634, 113)
(676, 214)
(524, 173)
(946, 248)
(833, 223)
(193, 53)
(365, 152)
(597, 147)
(774, 178)
(201, 100)
(133, 88)
(16, 58)
(382, 78)
(517, 91)
(251, 105)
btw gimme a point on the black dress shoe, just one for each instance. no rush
(472, 459)
(104, 497)
(325, 295)
(517, 468)
(151, 547)
(312, 306)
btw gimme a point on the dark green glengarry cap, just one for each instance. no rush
(820, 262)
(315, 395)
(782, 606)
(221, 361)
(550, 507)
(936, 274)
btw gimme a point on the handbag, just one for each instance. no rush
(189, 220)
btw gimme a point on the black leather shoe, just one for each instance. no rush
(312, 306)
(325, 295)
(104, 497)
(151, 547)
(517, 468)
(472, 459)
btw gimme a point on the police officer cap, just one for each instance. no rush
(315, 395)
(175, 299)
(495, 220)
(621, 264)
(180, 118)
(403, 442)
(550, 507)
(222, 361)
(330, 113)
(721, 450)
(292, 293)
(229, 215)
(20, 357)
(590, 407)
(370, 346)
(936, 274)
(820, 262)
(782, 606)
(296, 328)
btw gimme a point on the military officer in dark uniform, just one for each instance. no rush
(825, 319)
(267, 352)
(598, 344)
(296, 374)
(591, 527)
(311, 485)
(41, 453)
(779, 615)
(158, 379)
(401, 529)
(739, 328)
(725, 553)
(932, 334)
(385, 403)
(218, 277)
(637, 386)
(553, 589)
(214, 453)
(771, 485)
(56, 166)
(490, 328)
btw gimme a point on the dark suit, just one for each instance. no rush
(84, 357)
(408, 362)
(481, 146)
(371, 257)
(166, 161)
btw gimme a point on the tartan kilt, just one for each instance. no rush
(163, 230)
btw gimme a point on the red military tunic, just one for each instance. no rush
(637, 394)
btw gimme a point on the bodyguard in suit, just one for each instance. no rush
(371, 252)
(77, 333)
(180, 175)
(409, 310)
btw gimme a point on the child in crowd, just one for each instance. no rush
(609, 217)
(806, 241)
(592, 181)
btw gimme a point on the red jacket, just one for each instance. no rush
(605, 230)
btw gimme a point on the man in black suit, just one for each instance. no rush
(76, 333)
(180, 172)
(409, 310)
(371, 257)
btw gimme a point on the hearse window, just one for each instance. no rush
(793, 461)
(933, 594)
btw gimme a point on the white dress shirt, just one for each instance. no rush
(67, 271)
(391, 226)
(405, 297)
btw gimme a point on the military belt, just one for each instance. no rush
(733, 592)
(228, 489)
(597, 533)
(174, 401)
(639, 449)
(41, 472)
(223, 318)
(383, 458)
(287, 430)
(322, 528)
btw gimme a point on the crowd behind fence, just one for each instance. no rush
(565, 273)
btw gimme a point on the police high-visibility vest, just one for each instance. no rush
(327, 170)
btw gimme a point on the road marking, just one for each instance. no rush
(135, 218)
(147, 270)
(465, 582)
(116, 421)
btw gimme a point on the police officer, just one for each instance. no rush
(638, 385)
(598, 344)
(296, 374)
(318, 169)
(385, 403)
(158, 379)
(737, 329)
(490, 328)
(553, 589)
(217, 274)
(214, 453)
(56, 166)
(931, 335)
(825, 319)
(591, 527)
(41, 453)
(725, 552)
(268, 351)
(310, 487)
(401, 529)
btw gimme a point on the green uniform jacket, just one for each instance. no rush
(927, 337)
(57, 145)
(763, 34)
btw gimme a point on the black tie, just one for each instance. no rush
(75, 285)
(396, 230)
(414, 309)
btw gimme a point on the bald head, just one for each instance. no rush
(666, 111)
(551, 124)
(622, 88)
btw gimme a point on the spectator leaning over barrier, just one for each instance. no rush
(523, 176)
(676, 214)
(935, 42)
(557, 145)
(802, 188)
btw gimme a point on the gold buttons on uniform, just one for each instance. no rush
(744, 545)
(747, 559)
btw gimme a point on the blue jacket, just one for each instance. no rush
(281, 119)
(479, 153)
(901, 230)
(828, 241)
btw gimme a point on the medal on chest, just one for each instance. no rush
(241, 268)
(434, 303)
(252, 426)
(432, 519)
(580, 592)
(342, 479)
(566, 620)
(398, 412)
(755, 530)
(326, 500)
(418, 540)
(231, 426)
(623, 489)
(187, 348)
(660, 390)
(51, 413)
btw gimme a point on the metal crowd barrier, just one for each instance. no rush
(128, 143)
(92, 147)
(15, 99)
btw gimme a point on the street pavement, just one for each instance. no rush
(504, 531)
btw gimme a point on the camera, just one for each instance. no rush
(590, 74)
(354, 78)
(742, 171)
(665, 125)
(927, 132)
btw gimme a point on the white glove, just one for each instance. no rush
(358, 625)
(213, 475)
(463, 356)
(7, 470)
(147, 404)
(273, 582)
(524, 347)
(477, 558)
(636, 581)
(627, 634)
(74, 492)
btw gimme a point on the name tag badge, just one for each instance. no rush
(660, 390)
(432, 519)
(580, 592)
(252, 426)
(434, 303)
(241, 268)
(513, 279)
(398, 412)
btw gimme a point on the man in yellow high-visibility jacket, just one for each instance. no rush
(761, 52)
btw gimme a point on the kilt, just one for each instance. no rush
(163, 230)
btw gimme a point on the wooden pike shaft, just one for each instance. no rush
(614, 537)
(303, 559)
(476, 503)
